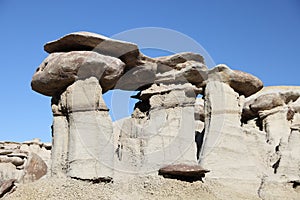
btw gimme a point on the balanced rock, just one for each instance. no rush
(59, 70)
(242, 82)
(86, 41)
(176, 69)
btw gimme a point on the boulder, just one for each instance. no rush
(242, 82)
(148, 73)
(188, 72)
(59, 70)
(35, 168)
(86, 41)
(138, 77)
(269, 98)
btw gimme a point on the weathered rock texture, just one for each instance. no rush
(161, 130)
(276, 111)
(239, 131)
(22, 163)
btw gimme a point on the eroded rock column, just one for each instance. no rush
(223, 142)
(90, 146)
(161, 131)
(60, 139)
(277, 109)
(81, 66)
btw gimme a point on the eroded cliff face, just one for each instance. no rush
(237, 130)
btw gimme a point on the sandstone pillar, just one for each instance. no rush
(224, 151)
(161, 131)
(60, 139)
(90, 137)
(223, 137)
(59, 152)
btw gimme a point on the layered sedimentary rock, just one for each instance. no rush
(276, 110)
(161, 130)
(24, 162)
(83, 129)
(223, 142)
(80, 68)
(237, 130)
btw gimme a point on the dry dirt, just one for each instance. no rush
(152, 187)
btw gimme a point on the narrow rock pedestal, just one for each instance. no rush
(90, 146)
(224, 141)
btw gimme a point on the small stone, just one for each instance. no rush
(183, 171)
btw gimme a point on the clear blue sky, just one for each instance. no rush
(261, 37)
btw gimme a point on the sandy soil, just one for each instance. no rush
(152, 187)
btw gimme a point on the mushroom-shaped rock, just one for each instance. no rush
(242, 82)
(59, 70)
(86, 41)
(269, 98)
(183, 172)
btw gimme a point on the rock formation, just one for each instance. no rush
(238, 130)
(23, 163)
(80, 68)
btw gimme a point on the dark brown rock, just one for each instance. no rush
(245, 83)
(242, 82)
(183, 172)
(35, 168)
(149, 73)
